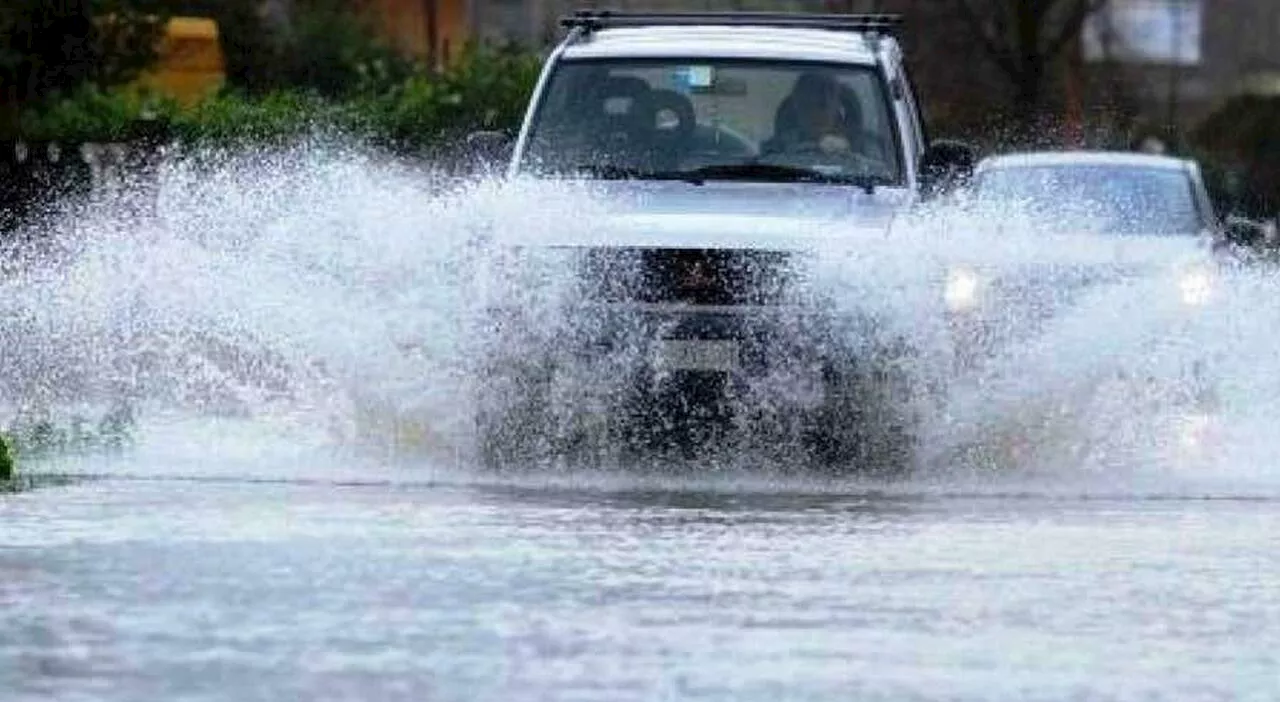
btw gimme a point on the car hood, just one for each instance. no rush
(1135, 254)
(723, 215)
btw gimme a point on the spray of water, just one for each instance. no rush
(321, 306)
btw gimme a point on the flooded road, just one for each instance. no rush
(1128, 553)
(225, 589)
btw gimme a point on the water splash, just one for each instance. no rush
(289, 307)
(249, 288)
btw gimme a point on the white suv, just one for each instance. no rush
(729, 151)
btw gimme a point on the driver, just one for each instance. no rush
(814, 117)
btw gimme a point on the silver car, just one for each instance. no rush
(1082, 276)
(1093, 219)
(725, 157)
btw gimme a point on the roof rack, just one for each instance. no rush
(594, 20)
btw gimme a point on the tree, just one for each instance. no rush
(327, 46)
(1243, 137)
(6, 462)
(1024, 38)
(335, 50)
(51, 47)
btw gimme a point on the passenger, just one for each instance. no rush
(624, 122)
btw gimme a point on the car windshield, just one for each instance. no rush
(747, 119)
(1109, 199)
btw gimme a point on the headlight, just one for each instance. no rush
(1195, 436)
(962, 288)
(1195, 286)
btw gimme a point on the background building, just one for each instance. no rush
(432, 30)
(1182, 58)
(1155, 61)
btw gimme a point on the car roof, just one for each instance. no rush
(712, 41)
(1084, 158)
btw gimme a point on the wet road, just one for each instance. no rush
(220, 564)
(133, 589)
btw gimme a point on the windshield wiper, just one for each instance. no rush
(612, 172)
(784, 173)
(736, 171)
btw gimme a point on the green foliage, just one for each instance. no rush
(26, 481)
(234, 117)
(327, 47)
(44, 47)
(487, 88)
(127, 33)
(7, 470)
(11, 480)
(90, 113)
(1244, 137)
(43, 436)
(335, 51)
(49, 48)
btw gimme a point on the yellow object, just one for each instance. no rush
(190, 66)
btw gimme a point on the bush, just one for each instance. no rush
(233, 117)
(6, 461)
(49, 47)
(42, 436)
(327, 47)
(92, 114)
(487, 88)
(335, 51)
(1243, 136)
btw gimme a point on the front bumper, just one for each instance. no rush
(691, 352)
(990, 313)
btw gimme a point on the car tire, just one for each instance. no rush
(511, 418)
(524, 422)
(867, 424)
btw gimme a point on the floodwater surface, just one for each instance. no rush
(291, 518)
(224, 589)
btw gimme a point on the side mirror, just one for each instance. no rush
(945, 166)
(1245, 233)
(487, 148)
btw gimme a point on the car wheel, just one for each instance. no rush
(537, 414)
(867, 423)
(511, 417)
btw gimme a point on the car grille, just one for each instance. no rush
(687, 276)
